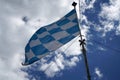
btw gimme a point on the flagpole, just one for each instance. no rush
(82, 43)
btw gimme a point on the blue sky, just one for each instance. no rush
(19, 19)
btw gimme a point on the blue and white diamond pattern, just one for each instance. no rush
(52, 37)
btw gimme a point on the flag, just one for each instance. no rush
(51, 37)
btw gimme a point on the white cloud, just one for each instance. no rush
(98, 72)
(10, 69)
(118, 30)
(101, 48)
(84, 18)
(11, 48)
(72, 62)
(58, 64)
(59, 59)
(91, 4)
(88, 5)
(51, 69)
(108, 26)
(110, 13)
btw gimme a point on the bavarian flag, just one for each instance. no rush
(51, 37)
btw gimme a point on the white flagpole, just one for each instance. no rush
(82, 44)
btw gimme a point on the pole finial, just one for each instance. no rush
(74, 4)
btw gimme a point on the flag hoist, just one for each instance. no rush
(82, 44)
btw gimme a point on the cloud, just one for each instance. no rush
(109, 15)
(14, 35)
(118, 30)
(112, 10)
(86, 4)
(11, 69)
(98, 72)
(57, 64)
(101, 48)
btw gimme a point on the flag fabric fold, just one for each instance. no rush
(51, 37)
